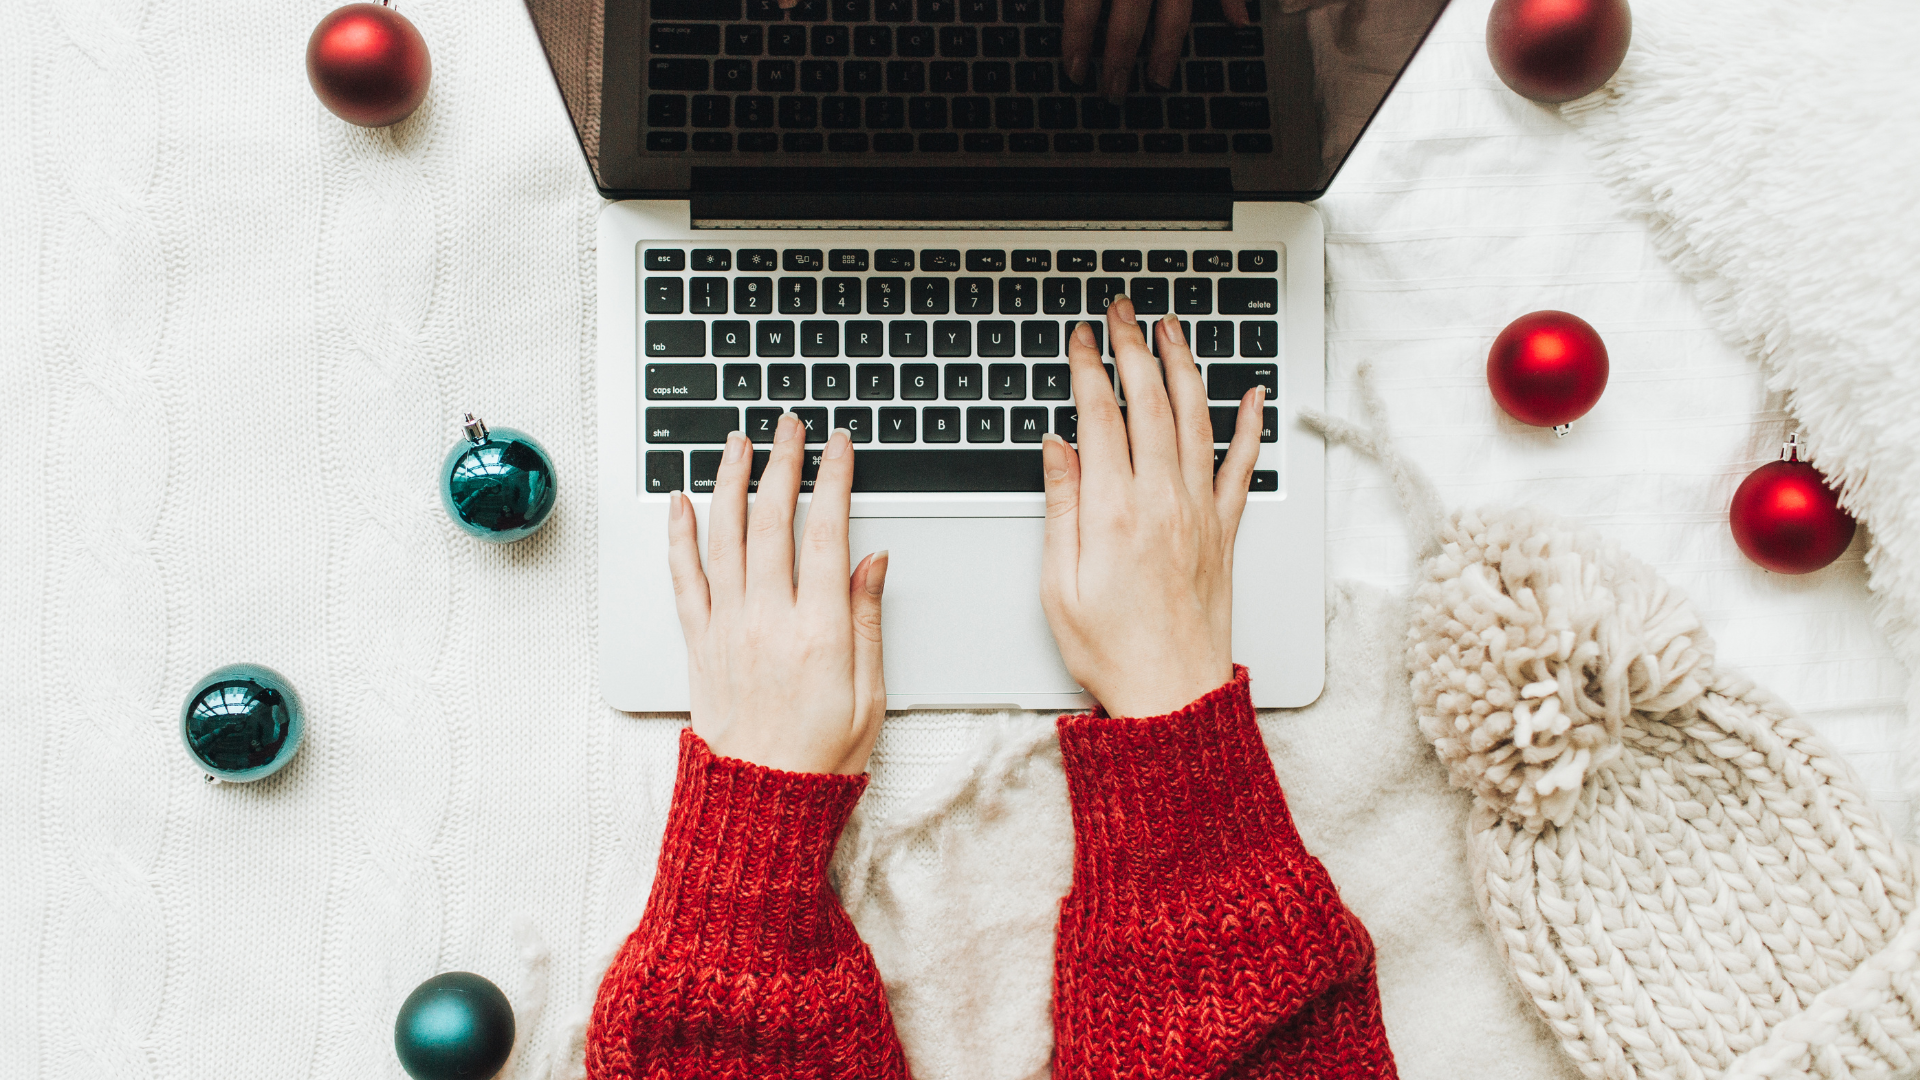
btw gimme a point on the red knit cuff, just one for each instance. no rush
(742, 880)
(1166, 799)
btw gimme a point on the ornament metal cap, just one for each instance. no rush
(476, 429)
(1560, 430)
(1791, 449)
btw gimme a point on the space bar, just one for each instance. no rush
(947, 470)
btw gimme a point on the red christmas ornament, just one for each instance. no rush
(1547, 369)
(1557, 50)
(1786, 518)
(369, 65)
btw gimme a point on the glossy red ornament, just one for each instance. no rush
(368, 65)
(1547, 369)
(1557, 50)
(1786, 518)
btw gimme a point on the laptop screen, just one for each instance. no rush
(676, 98)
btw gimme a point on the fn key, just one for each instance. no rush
(665, 471)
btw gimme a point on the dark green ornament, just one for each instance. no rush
(242, 722)
(456, 1026)
(497, 485)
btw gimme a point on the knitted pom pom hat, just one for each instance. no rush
(1683, 878)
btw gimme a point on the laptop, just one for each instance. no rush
(887, 216)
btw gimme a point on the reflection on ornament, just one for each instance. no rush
(1547, 369)
(497, 485)
(454, 1026)
(369, 65)
(1557, 50)
(242, 722)
(1787, 518)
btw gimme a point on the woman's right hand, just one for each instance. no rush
(1137, 573)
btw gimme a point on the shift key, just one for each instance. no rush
(681, 382)
(675, 337)
(694, 425)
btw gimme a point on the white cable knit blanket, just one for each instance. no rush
(236, 335)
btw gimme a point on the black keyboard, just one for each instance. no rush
(935, 76)
(946, 366)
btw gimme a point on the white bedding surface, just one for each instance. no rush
(235, 339)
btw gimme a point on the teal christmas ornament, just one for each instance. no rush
(242, 722)
(497, 485)
(455, 1026)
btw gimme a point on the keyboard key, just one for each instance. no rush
(986, 424)
(1031, 261)
(1161, 143)
(947, 77)
(863, 337)
(1249, 296)
(775, 77)
(979, 11)
(1227, 41)
(732, 337)
(1229, 382)
(1051, 382)
(869, 41)
(1099, 114)
(1167, 262)
(712, 259)
(1101, 291)
(1043, 42)
(1058, 112)
(959, 41)
(919, 382)
(852, 11)
(1253, 142)
(962, 382)
(712, 142)
(1029, 425)
(709, 10)
(1066, 422)
(1015, 113)
(680, 382)
(801, 260)
(1213, 262)
(1224, 417)
(665, 471)
(752, 295)
(1264, 480)
(1120, 262)
(940, 259)
(982, 261)
(831, 382)
(941, 425)
(1259, 337)
(928, 296)
(1206, 77)
(847, 142)
(808, 11)
(893, 10)
(742, 382)
(819, 338)
(1247, 76)
(1019, 296)
(1125, 142)
(1061, 296)
(906, 337)
(786, 382)
(1039, 337)
(799, 296)
(1193, 296)
(786, 40)
(665, 295)
(663, 259)
(773, 337)
(1149, 295)
(873, 382)
(897, 426)
(952, 337)
(674, 337)
(908, 77)
(973, 296)
(914, 41)
(972, 113)
(841, 295)
(735, 76)
(759, 259)
(1027, 142)
(893, 259)
(764, 11)
(996, 338)
(763, 424)
(1259, 262)
(815, 422)
(746, 40)
(1020, 11)
(1007, 382)
(1234, 114)
(707, 296)
(1213, 339)
(1143, 113)
(664, 74)
(691, 425)
(887, 295)
(847, 259)
(893, 142)
(1073, 142)
(1004, 41)
(858, 422)
(666, 140)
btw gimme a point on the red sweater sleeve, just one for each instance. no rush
(745, 965)
(1200, 940)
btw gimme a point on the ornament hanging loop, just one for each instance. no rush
(1791, 450)
(1560, 430)
(476, 430)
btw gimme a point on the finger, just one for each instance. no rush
(1149, 413)
(1126, 23)
(1236, 11)
(770, 529)
(683, 562)
(823, 561)
(1170, 19)
(1192, 424)
(864, 592)
(1060, 548)
(1077, 37)
(727, 522)
(1102, 435)
(1230, 485)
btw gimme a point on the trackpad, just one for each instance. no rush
(962, 613)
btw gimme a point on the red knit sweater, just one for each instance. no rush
(1199, 940)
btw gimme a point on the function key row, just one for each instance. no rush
(976, 260)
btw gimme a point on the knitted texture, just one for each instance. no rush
(1684, 879)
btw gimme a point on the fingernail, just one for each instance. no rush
(1259, 395)
(838, 442)
(679, 507)
(1083, 333)
(735, 441)
(1076, 68)
(788, 429)
(1162, 74)
(877, 573)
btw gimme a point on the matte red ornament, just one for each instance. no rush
(1786, 518)
(368, 65)
(1557, 50)
(1547, 369)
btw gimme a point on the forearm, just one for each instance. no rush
(1200, 939)
(744, 963)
